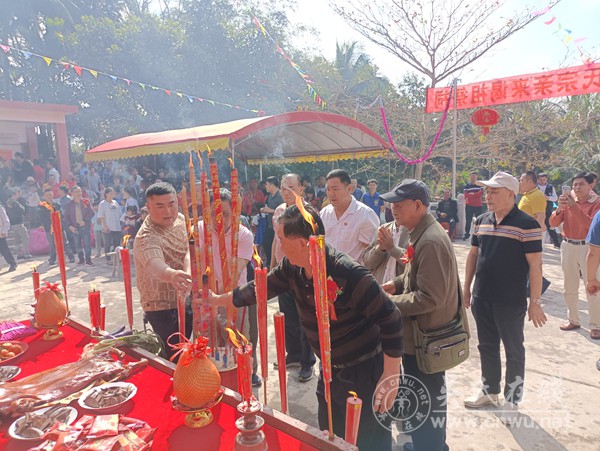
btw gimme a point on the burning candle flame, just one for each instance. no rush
(256, 257)
(305, 214)
(234, 340)
(210, 152)
(207, 272)
(92, 287)
(125, 240)
(353, 393)
(34, 268)
(230, 162)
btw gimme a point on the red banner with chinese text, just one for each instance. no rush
(522, 88)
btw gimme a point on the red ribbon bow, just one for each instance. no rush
(408, 255)
(198, 348)
(333, 291)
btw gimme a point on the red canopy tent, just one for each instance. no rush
(283, 138)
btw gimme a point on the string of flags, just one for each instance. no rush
(311, 91)
(567, 34)
(79, 70)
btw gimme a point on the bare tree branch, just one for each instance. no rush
(437, 38)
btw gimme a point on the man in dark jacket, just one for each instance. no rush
(78, 220)
(44, 219)
(447, 212)
(15, 209)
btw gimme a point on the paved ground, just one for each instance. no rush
(560, 410)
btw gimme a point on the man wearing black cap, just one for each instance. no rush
(428, 290)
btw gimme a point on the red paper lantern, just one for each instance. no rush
(485, 118)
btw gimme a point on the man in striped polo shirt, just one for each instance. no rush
(366, 337)
(506, 247)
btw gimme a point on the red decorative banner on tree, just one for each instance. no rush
(570, 81)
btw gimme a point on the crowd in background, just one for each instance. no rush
(113, 200)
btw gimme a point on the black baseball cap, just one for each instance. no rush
(408, 189)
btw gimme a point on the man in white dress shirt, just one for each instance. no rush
(349, 225)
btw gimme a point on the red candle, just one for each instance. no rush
(181, 312)
(236, 209)
(243, 351)
(35, 276)
(207, 329)
(94, 304)
(244, 361)
(207, 225)
(193, 191)
(126, 264)
(317, 260)
(186, 211)
(218, 215)
(102, 317)
(353, 409)
(279, 321)
(260, 286)
(57, 232)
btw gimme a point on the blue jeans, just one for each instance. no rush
(50, 239)
(81, 243)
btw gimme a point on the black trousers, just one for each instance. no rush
(296, 343)
(362, 379)
(471, 211)
(551, 231)
(429, 435)
(268, 243)
(501, 322)
(6, 253)
(111, 239)
(164, 323)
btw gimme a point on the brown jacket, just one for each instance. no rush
(429, 287)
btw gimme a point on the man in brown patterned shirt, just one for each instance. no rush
(161, 255)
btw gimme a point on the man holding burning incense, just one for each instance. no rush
(162, 262)
(365, 327)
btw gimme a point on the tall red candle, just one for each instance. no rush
(94, 305)
(57, 232)
(181, 312)
(244, 361)
(353, 409)
(102, 317)
(260, 285)
(236, 209)
(207, 225)
(35, 276)
(279, 322)
(319, 273)
(126, 264)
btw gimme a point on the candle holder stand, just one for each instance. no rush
(250, 437)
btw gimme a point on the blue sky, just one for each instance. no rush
(533, 49)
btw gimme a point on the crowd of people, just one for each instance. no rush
(411, 260)
(391, 260)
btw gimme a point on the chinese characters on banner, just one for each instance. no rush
(523, 88)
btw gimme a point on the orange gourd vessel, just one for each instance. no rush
(50, 308)
(196, 381)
